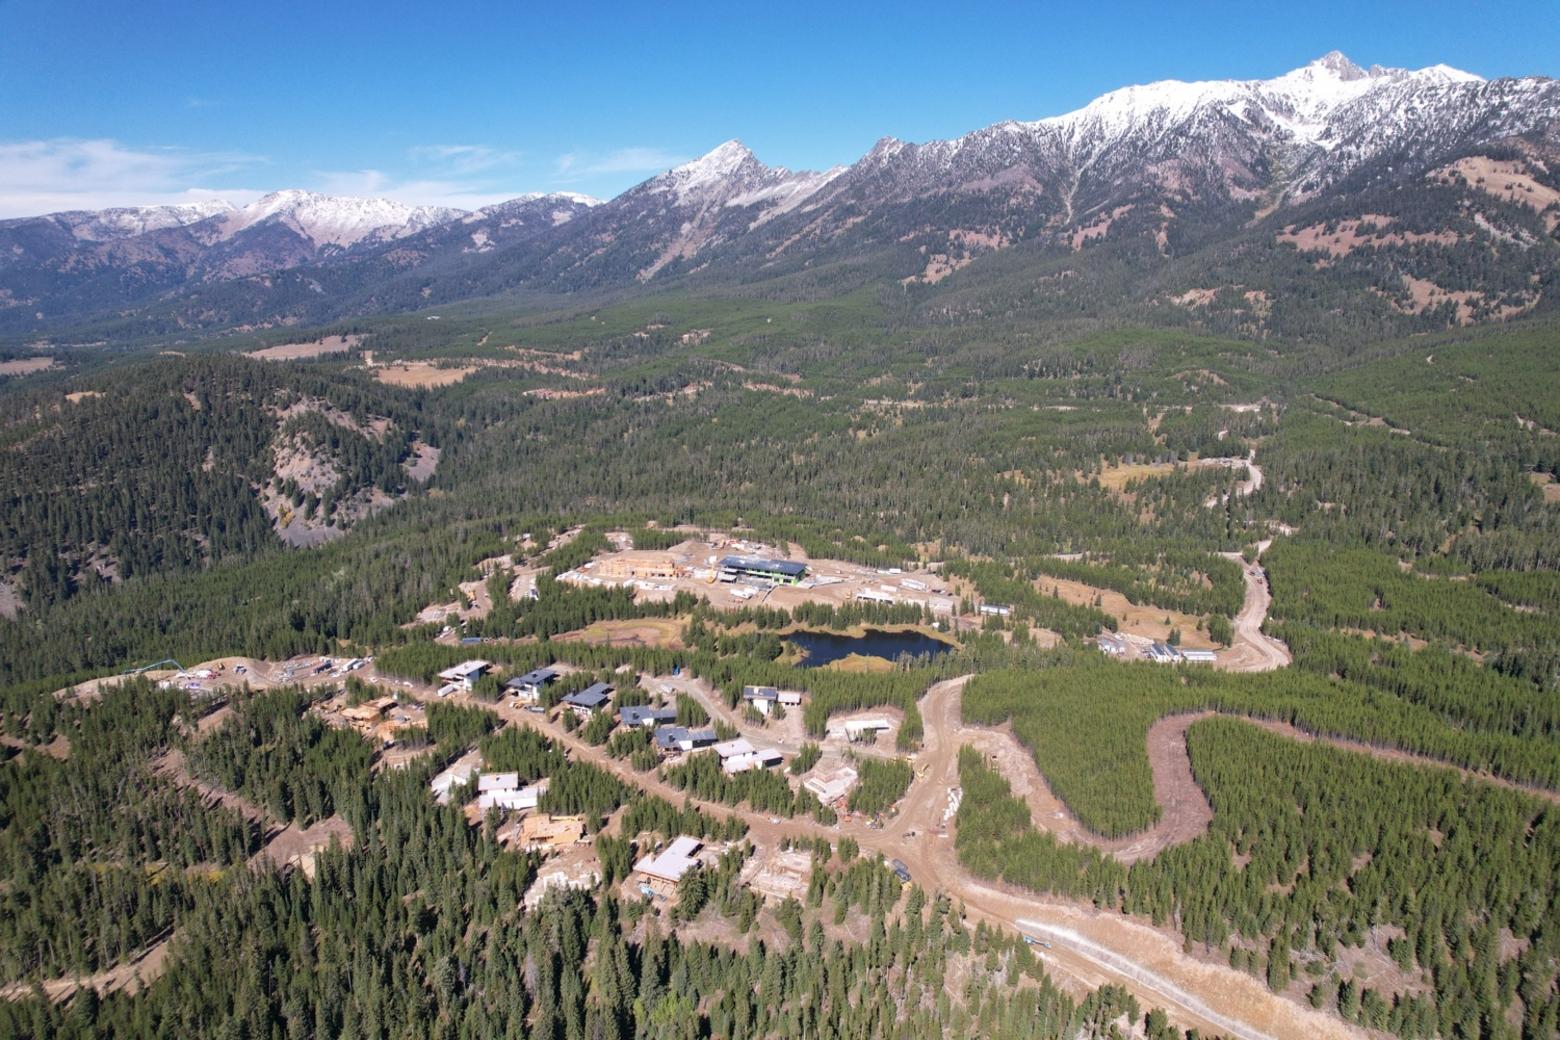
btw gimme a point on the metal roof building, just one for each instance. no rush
(498, 781)
(680, 738)
(591, 698)
(783, 572)
(672, 862)
(644, 715)
(533, 680)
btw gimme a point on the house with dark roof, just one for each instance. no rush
(674, 740)
(528, 688)
(645, 715)
(590, 700)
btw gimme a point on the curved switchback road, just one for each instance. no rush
(1089, 946)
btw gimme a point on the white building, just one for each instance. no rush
(513, 800)
(733, 748)
(764, 758)
(668, 866)
(457, 774)
(830, 787)
(465, 675)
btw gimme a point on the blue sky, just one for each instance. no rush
(118, 103)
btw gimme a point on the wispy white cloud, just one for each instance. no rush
(465, 158)
(623, 160)
(46, 176)
(50, 175)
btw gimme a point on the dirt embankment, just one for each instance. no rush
(129, 977)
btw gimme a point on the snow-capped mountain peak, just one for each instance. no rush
(336, 220)
(727, 166)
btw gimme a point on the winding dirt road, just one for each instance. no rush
(1254, 650)
(1089, 947)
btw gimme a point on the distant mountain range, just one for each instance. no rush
(1394, 187)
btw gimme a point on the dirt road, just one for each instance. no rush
(129, 977)
(1254, 650)
(1089, 947)
(1253, 481)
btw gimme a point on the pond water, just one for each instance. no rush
(820, 648)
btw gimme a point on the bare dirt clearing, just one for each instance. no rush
(299, 846)
(301, 351)
(1147, 621)
(1548, 485)
(173, 765)
(663, 632)
(415, 374)
(1507, 180)
(25, 366)
(10, 600)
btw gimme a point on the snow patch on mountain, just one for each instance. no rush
(334, 220)
(127, 222)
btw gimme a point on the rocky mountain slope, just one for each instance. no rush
(1443, 170)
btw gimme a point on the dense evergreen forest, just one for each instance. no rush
(1398, 496)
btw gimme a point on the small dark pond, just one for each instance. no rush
(820, 648)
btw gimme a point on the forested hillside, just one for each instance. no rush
(1377, 846)
(178, 463)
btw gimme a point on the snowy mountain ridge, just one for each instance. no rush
(1161, 170)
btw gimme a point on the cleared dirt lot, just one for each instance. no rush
(299, 351)
(1148, 622)
(414, 374)
(129, 977)
(834, 582)
(25, 366)
(635, 632)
